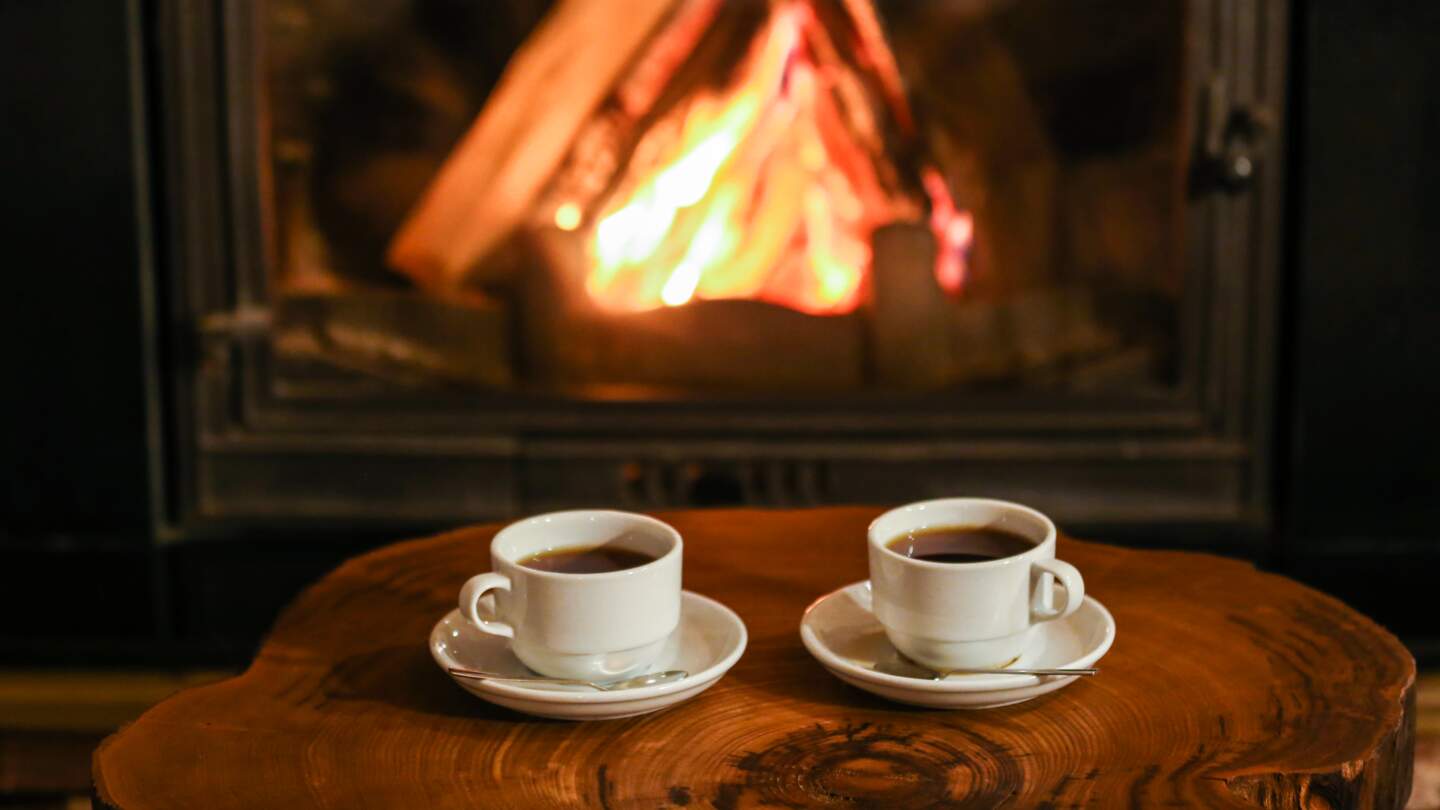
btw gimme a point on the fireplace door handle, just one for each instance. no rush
(1233, 142)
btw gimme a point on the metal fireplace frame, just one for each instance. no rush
(246, 450)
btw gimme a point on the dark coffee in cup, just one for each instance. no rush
(959, 544)
(591, 560)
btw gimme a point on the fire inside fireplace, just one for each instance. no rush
(790, 196)
(759, 191)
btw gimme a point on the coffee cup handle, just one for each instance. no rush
(1074, 589)
(470, 595)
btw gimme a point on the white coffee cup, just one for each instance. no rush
(588, 626)
(969, 614)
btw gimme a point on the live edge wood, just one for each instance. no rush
(1226, 687)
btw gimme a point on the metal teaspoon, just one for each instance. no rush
(649, 679)
(910, 669)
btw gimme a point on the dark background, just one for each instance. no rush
(84, 577)
(1359, 496)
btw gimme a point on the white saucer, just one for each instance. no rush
(842, 633)
(707, 643)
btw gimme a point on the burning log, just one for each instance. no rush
(731, 345)
(735, 150)
(488, 184)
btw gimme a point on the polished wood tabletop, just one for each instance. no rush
(1225, 687)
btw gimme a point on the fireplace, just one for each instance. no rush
(447, 261)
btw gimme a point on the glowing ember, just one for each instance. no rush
(568, 216)
(758, 191)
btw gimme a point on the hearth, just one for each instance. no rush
(448, 261)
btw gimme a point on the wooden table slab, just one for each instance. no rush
(1226, 687)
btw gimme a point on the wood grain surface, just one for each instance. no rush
(1225, 687)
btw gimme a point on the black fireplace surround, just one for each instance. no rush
(165, 498)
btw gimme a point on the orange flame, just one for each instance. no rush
(953, 229)
(758, 191)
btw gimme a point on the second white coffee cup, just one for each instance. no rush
(970, 614)
(588, 626)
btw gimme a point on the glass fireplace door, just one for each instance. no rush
(528, 254)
